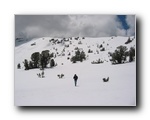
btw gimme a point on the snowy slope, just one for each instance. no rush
(91, 90)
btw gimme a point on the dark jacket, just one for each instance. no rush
(75, 77)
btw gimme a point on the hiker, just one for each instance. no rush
(75, 79)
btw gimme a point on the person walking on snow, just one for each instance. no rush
(75, 79)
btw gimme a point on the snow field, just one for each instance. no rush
(120, 90)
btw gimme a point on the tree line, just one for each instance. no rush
(39, 60)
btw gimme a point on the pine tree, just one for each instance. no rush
(44, 58)
(31, 65)
(119, 55)
(79, 56)
(52, 63)
(35, 57)
(131, 54)
(26, 64)
(82, 56)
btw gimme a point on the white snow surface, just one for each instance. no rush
(120, 90)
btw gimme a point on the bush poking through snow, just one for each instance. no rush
(97, 51)
(99, 61)
(63, 54)
(79, 42)
(69, 54)
(101, 46)
(88, 46)
(128, 41)
(119, 55)
(77, 38)
(60, 76)
(105, 80)
(33, 44)
(103, 49)
(76, 48)
(90, 51)
(66, 45)
(41, 75)
(18, 66)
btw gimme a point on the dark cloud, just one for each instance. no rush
(31, 26)
(40, 25)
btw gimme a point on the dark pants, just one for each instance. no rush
(75, 81)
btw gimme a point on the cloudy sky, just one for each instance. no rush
(31, 26)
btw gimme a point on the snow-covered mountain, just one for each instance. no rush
(120, 90)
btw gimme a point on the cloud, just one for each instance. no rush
(40, 25)
(130, 19)
(96, 25)
(31, 26)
